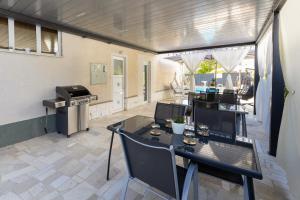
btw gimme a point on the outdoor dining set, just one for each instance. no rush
(211, 143)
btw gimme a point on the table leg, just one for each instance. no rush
(244, 125)
(46, 121)
(248, 188)
(238, 124)
(109, 155)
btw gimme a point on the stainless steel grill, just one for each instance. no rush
(72, 108)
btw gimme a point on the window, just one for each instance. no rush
(3, 33)
(118, 67)
(49, 38)
(30, 38)
(25, 36)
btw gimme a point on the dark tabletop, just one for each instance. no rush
(239, 157)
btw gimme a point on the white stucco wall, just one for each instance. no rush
(25, 80)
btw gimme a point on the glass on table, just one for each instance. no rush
(168, 123)
(189, 138)
(189, 125)
(155, 126)
(188, 121)
(203, 130)
(155, 130)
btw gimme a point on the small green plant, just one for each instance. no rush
(213, 82)
(179, 120)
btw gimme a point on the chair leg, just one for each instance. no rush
(195, 185)
(238, 124)
(185, 163)
(244, 125)
(124, 190)
(189, 178)
(109, 155)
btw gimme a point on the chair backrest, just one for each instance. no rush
(248, 93)
(201, 96)
(165, 111)
(212, 94)
(151, 163)
(228, 91)
(229, 98)
(178, 110)
(189, 109)
(191, 96)
(207, 104)
(222, 124)
(175, 87)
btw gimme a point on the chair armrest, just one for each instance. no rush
(190, 175)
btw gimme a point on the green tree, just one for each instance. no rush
(207, 66)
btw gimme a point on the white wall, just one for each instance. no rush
(25, 80)
(288, 152)
(163, 72)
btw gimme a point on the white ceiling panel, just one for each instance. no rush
(158, 25)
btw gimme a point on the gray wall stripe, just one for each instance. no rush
(24, 130)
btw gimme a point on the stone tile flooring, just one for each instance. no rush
(56, 167)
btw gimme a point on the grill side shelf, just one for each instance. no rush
(54, 103)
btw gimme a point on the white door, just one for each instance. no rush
(118, 84)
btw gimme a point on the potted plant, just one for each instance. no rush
(178, 125)
(213, 82)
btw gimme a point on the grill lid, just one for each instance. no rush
(68, 92)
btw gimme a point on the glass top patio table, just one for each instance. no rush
(233, 108)
(226, 107)
(239, 157)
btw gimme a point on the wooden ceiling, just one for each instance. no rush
(156, 25)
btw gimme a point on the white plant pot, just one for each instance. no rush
(178, 128)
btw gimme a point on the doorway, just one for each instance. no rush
(146, 81)
(118, 83)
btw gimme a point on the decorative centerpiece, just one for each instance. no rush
(178, 125)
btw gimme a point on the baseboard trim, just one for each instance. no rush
(24, 130)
